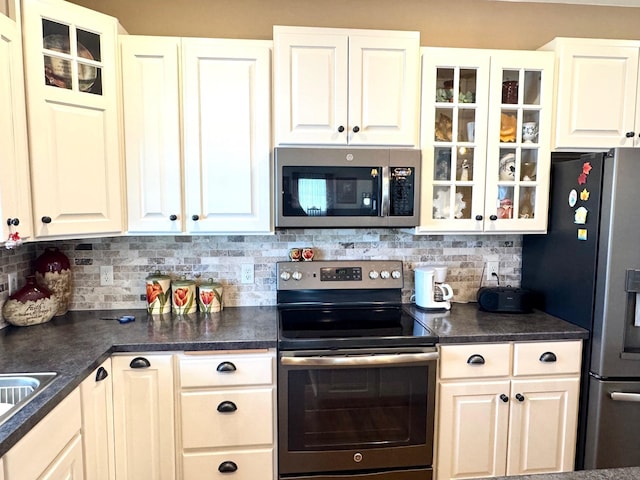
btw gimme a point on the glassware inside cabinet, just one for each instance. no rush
(528, 165)
(504, 205)
(442, 164)
(72, 57)
(526, 202)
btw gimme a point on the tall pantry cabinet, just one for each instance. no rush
(70, 78)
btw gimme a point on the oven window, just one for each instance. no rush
(343, 408)
(331, 191)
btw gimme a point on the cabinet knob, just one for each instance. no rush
(630, 134)
(227, 407)
(479, 217)
(475, 360)
(13, 222)
(519, 397)
(226, 367)
(548, 357)
(173, 218)
(341, 129)
(356, 129)
(46, 219)
(227, 467)
(493, 217)
(195, 218)
(140, 362)
(101, 374)
(504, 398)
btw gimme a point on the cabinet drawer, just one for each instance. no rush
(250, 424)
(226, 370)
(492, 360)
(547, 358)
(251, 465)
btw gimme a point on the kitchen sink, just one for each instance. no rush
(18, 389)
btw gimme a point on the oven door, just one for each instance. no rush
(348, 411)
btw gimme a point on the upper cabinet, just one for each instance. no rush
(346, 87)
(70, 77)
(485, 137)
(597, 85)
(214, 177)
(15, 200)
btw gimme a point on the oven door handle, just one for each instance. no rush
(358, 360)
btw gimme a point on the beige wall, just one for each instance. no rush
(454, 23)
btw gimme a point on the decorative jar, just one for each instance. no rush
(53, 270)
(158, 293)
(183, 293)
(31, 305)
(210, 297)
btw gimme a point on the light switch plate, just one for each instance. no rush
(12, 280)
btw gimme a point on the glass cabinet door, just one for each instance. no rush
(454, 113)
(72, 57)
(518, 155)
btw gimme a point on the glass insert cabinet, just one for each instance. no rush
(485, 136)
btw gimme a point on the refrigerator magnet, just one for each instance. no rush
(584, 195)
(573, 198)
(582, 234)
(580, 216)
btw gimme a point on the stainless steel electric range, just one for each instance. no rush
(356, 374)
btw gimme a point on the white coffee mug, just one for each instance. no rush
(529, 132)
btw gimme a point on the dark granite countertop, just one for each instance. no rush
(631, 473)
(465, 323)
(77, 343)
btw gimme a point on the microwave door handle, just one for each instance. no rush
(386, 194)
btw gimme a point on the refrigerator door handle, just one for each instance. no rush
(625, 397)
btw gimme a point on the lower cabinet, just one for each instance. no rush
(143, 414)
(226, 415)
(507, 409)
(97, 424)
(52, 450)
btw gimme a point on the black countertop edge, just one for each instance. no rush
(629, 473)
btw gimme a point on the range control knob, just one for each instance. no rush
(385, 274)
(296, 275)
(285, 276)
(396, 274)
(373, 274)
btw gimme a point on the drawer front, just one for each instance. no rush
(249, 465)
(226, 370)
(475, 360)
(251, 423)
(547, 358)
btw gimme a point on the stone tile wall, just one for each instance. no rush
(221, 257)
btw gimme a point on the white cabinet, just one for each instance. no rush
(215, 177)
(227, 415)
(481, 170)
(507, 409)
(52, 450)
(15, 198)
(70, 77)
(597, 101)
(143, 411)
(341, 86)
(97, 424)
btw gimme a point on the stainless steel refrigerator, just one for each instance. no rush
(586, 270)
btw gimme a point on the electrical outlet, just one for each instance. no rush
(12, 280)
(246, 275)
(106, 275)
(492, 267)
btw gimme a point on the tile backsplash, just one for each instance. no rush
(221, 258)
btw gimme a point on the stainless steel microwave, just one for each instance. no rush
(347, 187)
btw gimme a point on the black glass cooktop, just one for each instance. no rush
(350, 327)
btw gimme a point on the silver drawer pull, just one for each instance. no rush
(625, 397)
